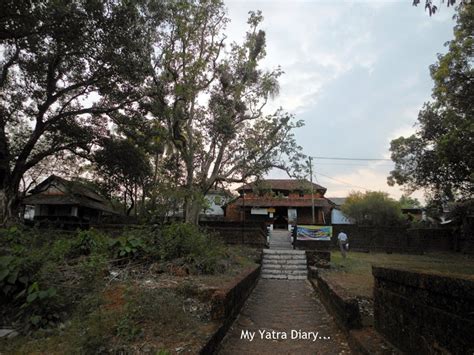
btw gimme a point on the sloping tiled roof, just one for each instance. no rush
(283, 184)
(73, 187)
(76, 194)
(282, 202)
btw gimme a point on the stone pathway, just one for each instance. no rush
(284, 317)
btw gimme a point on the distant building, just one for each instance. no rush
(215, 199)
(65, 202)
(280, 202)
(337, 216)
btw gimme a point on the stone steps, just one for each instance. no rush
(284, 264)
(284, 277)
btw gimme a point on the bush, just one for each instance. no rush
(127, 246)
(32, 258)
(40, 309)
(372, 208)
(13, 279)
(201, 253)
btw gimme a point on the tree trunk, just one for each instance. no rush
(8, 208)
(192, 208)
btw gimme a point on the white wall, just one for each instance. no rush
(337, 217)
(215, 209)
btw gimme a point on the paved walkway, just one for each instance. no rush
(284, 317)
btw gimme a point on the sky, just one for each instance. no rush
(356, 72)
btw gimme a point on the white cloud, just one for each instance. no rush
(356, 71)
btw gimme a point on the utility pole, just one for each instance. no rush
(312, 187)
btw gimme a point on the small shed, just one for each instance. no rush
(67, 202)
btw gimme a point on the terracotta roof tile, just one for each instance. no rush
(283, 184)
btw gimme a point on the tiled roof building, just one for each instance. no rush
(280, 202)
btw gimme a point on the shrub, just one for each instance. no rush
(87, 242)
(12, 278)
(40, 308)
(372, 208)
(181, 240)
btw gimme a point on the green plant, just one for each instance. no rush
(201, 252)
(126, 246)
(12, 280)
(88, 241)
(128, 330)
(40, 309)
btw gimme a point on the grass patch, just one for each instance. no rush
(355, 272)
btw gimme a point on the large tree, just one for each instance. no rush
(62, 64)
(440, 155)
(125, 171)
(372, 208)
(211, 97)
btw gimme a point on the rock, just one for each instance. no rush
(8, 333)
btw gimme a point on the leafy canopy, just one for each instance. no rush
(372, 208)
(62, 65)
(440, 155)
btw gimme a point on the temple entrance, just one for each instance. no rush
(281, 218)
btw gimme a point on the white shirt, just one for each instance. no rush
(342, 237)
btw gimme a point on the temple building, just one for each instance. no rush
(280, 202)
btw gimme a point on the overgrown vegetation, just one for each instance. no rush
(58, 282)
(372, 208)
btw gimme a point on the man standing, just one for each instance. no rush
(342, 239)
(294, 234)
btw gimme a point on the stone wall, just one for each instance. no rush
(343, 306)
(397, 239)
(226, 304)
(424, 313)
(253, 234)
(318, 258)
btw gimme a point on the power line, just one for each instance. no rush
(337, 164)
(358, 159)
(343, 182)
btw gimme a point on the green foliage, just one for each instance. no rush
(184, 240)
(32, 261)
(432, 8)
(40, 308)
(55, 54)
(87, 242)
(432, 158)
(128, 330)
(409, 202)
(124, 167)
(229, 137)
(372, 208)
(127, 246)
(12, 279)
